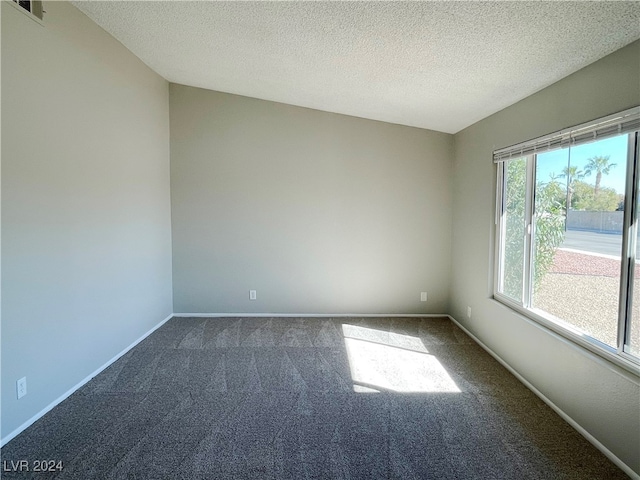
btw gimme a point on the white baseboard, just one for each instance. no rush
(311, 315)
(68, 393)
(608, 453)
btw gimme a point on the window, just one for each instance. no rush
(567, 233)
(34, 7)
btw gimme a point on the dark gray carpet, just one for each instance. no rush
(284, 398)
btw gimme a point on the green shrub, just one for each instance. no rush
(549, 222)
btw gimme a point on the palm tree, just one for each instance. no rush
(600, 165)
(571, 173)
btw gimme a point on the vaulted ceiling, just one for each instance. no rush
(436, 65)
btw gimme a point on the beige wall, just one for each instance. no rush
(86, 236)
(318, 212)
(600, 398)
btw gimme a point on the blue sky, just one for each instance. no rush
(615, 147)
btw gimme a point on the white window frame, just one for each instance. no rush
(627, 122)
(33, 16)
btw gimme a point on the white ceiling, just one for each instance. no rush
(436, 65)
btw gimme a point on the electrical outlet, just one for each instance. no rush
(252, 294)
(21, 387)
(469, 312)
(423, 296)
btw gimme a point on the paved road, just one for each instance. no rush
(603, 243)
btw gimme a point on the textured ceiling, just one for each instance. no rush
(435, 65)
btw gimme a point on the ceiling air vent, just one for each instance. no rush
(34, 7)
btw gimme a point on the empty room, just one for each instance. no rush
(329, 240)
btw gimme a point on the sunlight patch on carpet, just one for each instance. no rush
(375, 365)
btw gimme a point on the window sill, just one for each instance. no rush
(574, 338)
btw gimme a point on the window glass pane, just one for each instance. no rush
(577, 271)
(553, 176)
(515, 182)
